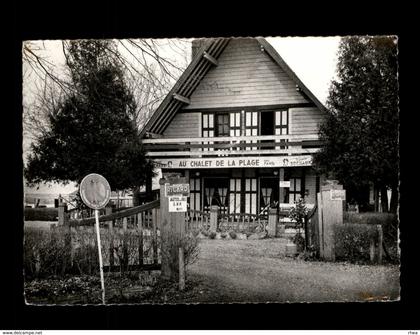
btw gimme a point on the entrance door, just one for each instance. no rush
(269, 192)
(215, 193)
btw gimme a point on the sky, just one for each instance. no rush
(313, 59)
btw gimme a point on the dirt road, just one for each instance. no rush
(258, 271)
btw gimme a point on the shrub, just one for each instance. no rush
(212, 235)
(223, 235)
(352, 242)
(232, 235)
(299, 240)
(41, 214)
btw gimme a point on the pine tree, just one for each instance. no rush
(92, 130)
(361, 130)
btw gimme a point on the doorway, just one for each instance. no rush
(267, 128)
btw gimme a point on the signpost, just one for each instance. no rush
(95, 193)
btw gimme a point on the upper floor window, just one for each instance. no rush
(222, 125)
(282, 122)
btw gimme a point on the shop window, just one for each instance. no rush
(215, 193)
(235, 196)
(195, 194)
(295, 190)
(251, 195)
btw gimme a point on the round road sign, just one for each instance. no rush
(95, 191)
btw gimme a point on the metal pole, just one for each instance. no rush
(98, 236)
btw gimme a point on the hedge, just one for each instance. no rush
(352, 242)
(348, 238)
(41, 214)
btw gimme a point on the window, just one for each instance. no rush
(251, 127)
(235, 124)
(208, 128)
(251, 195)
(222, 125)
(195, 194)
(282, 125)
(235, 196)
(215, 193)
(295, 190)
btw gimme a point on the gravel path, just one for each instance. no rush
(258, 271)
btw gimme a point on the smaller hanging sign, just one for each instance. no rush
(177, 204)
(285, 183)
(338, 194)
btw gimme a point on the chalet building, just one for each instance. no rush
(240, 126)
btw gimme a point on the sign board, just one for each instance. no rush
(95, 191)
(285, 183)
(177, 204)
(177, 190)
(338, 194)
(233, 162)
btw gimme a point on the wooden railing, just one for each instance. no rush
(130, 238)
(197, 220)
(233, 146)
(243, 222)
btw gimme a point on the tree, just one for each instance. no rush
(91, 129)
(361, 129)
(150, 73)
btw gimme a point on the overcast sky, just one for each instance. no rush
(313, 59)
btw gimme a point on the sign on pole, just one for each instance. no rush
(177, 190)
(177, 204)
(95, 193)
(337, 195)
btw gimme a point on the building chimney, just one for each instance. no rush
(196, 45)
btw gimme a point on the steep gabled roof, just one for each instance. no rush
(195, 72)
(186, 84)
(286, 68)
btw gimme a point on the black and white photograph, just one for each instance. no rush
(233, 170)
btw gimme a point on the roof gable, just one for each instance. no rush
(194, 80)
(245, 76)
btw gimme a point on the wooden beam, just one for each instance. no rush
(309, 137)
(210, 58)
(221, 153)
(181, 98)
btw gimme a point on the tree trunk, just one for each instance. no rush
(394, 200)
(384, 199)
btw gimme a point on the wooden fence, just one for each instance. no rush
(130, 238)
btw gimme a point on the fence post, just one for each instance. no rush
(181, 269)
(61, 212)
(272, 222)
(214, 212)
(332, 214)
(64, 222)
(172, 231)
(108, 210)
(380, 241)
(155, 236)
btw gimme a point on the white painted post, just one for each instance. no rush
(98, 237)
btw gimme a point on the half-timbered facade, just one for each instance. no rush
(241, 126)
